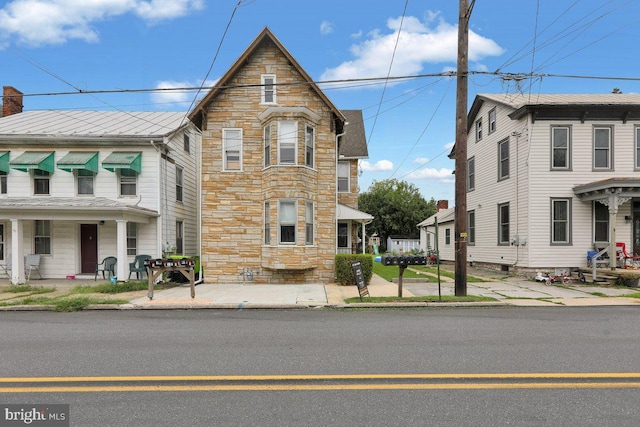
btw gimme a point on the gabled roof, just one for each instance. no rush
(445, 215)
(88, 124)
(196, 116)
(354, 141)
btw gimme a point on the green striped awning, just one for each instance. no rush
(75, 160)
(4, 161)
(30, 160)
(123, 160)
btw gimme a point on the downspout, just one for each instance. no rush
(199, 210)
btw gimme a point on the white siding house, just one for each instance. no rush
(78, 186)
(551, 177)
(444, 233)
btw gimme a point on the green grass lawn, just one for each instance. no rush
(427, 298)
(388, 272)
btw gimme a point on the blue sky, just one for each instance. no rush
(53, 46)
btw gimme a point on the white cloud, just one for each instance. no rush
(442, 175)
(381, 165)
(50, 22)
(178, 97)
(419, 44)
(326, 27)
(421, 160)
(450, 145)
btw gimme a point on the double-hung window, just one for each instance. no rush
(287, 142)
(179, 184)
(41, 182)
(447, 236)
(287, 216)
(84, 179)
(132, 238)
(309, 142)
(343, 235)
(492, 121)
(42, 237)
(637, 150)
(186, 143)
(179, 237)
(128, 182)
(267, 223)
(560, 221)
(478, 130)
(343, 177)
(232, 149)
(2, 251)
(503, 159)
(266, 138)
(471, 174)
(268, 92)
(560, 148)
(503, 224)
(602, 148)
(309, 223)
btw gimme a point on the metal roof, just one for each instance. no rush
(346, 213)
(66, 123)
(519, 100)
(444, 215)
(79, 160)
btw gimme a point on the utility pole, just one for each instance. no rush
(460, 232)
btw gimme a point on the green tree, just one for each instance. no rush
(397, 207)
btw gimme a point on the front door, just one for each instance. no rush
(88, 247)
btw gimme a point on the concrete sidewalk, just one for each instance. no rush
(511, 291)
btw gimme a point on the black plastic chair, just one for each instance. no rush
(108, 265)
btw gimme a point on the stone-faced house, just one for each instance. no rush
(79, 186)
(551, 177)
(279, 172)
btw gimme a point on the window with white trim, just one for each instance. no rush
(560, 221)
(447, 236)
(560, 147)
(287, 142)
(179, 183)
(602, 148)
(186, 143)
(266, 139)
(2, 255)
(268, 91)
(344, 169)
(41, 182)
(267, 222)
(232, 149)
(637, 150)
(492, 121)
(84, 182)
(309, 142)
(478, 130)
(128, 182)
(132, 238)
(308, 223)
(42, 237)
(287, 218)
(503, 224)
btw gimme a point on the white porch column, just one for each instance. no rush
(364, 237)
(17, 252)
(121, 250)
(612, 202)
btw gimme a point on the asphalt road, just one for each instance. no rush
(367, 367)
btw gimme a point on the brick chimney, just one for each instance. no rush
(442, 204)
(11, 101)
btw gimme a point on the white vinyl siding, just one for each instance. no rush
(232, 149)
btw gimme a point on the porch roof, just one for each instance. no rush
(29, 160)
(347, 213)
(70, 208)
(79, 160)
(596, 190)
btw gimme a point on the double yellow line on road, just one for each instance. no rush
(453, 381)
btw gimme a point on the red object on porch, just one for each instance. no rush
(624, 258)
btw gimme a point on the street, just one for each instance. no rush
(321, 367)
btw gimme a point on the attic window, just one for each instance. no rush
(268, 93)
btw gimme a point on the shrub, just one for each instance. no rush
(344, 272)
(628, 279)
